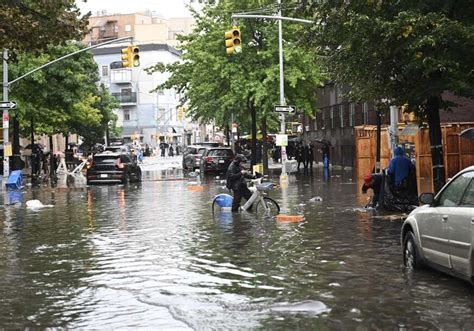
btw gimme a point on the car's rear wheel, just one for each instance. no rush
(411, 258)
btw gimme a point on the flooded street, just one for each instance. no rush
(152, 256)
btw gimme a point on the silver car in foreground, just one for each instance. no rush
(440, 233)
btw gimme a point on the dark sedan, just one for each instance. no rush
(109, 167)
(216, 159)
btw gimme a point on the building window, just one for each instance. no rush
(161, 114)
(105, 71)
(331, 114)
(126, 114)
(341, 115)
(365, 111)
(128, 28)
(351, 114)
(323, 119)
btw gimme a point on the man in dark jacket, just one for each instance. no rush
(236, 175)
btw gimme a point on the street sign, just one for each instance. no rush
(7, 105)
(285, 109)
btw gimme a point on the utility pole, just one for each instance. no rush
(6, 116)
(282, 81)
(282, 90)
(7, 84)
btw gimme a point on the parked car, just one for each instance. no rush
(216, 159)
(192, 157)
(110, 167)
(208, 144)
(440, 233)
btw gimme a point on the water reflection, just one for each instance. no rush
(151, 255)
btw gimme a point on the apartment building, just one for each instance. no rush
(153, 116)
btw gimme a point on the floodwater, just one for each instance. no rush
(152, 256)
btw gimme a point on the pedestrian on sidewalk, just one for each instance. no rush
(308, 156)
(300, 155)
(162, 148)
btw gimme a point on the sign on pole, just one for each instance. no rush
(7, 105)
(285, 109)
(282, 140)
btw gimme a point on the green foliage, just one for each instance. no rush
(403, 51)
(217, 85)
(30, 25)
(61, 98)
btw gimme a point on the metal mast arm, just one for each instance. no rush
(68, 55)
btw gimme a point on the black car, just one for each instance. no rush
(109, 167)
(216, 159)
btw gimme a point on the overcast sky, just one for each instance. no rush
(166, 8)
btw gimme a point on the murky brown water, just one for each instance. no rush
(152, 256)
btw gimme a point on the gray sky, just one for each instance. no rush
(166, 8)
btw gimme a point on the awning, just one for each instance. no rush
(128, 131)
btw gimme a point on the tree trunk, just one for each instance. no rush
(66, 143)
(437, 158)
(227, 134)
(52, 170)
(265, 145)
(32, 128)
(253, 113)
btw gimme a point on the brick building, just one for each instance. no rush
(337, 116)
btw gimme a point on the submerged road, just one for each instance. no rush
(151, 255)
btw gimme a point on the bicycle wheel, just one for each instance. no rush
(269, 207)
(221, 203)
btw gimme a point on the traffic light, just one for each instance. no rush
(126, 57)
(131, 56)
(135, 51)
(233, 42)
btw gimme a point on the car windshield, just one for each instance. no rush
(192, 150)
(105, 159)
(201, 151)
(221, 152)
(451, 196)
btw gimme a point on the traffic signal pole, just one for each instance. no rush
(282, 80)
(282, 91)
(6, 87)
(5, 116)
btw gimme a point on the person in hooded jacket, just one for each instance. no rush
(235, 176)
(399, 167)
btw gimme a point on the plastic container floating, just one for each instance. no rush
(290, 218)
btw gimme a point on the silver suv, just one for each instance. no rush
(441, 232)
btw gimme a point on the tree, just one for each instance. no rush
(30, 25)
(245, 84)
(65, 97)
(398, 52)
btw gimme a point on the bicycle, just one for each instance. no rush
(263, 204)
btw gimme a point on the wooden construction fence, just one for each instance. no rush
(458, 152)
